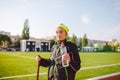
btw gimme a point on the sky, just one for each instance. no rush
(98, 19)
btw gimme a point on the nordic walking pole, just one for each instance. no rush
(38, 68)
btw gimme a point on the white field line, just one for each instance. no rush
(21, 76)
(100, 66)
(19, 56)
(12, 59)
(46, 72)
(101, 77)
(26, 57)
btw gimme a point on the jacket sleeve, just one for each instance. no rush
(44, 62)
(75, 62)
(47, 62)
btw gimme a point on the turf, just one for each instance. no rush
(23, 63)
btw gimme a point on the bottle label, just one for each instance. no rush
(65, 63)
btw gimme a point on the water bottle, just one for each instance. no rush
(63, 50)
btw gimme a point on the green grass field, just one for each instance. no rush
(17, 64)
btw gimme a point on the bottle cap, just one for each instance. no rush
(62, 44)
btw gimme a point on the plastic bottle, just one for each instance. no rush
(63, 50)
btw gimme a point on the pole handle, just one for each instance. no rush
(38, 68)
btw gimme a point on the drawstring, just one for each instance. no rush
(66, 72)
(55, 71)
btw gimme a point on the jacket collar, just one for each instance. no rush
(59, 42)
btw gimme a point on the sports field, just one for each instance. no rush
(22, 65)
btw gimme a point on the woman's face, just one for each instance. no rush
(60, 34)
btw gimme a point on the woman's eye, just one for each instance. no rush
(60, 31)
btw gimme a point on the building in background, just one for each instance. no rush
(14, 38)
(35, 45)
(88, 49)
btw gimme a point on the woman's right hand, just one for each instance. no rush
(38, 58)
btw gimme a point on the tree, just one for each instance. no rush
(4, 41)
(52, 42)
(107, 48)
(84, 40)
(73, 39)
(25, 32)
(117, 46)
(17, 45)
(80, 44)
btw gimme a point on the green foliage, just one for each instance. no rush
(107, 48)
(0, 39)
(80, 44)
(73, 39)
(52, 42)
(4, 38)
(117, 46)
(17, 45)
(25, 32)
(84, 40)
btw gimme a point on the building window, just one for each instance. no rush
(33, 43)
(42, 44)
(46, 44)
(28, 43)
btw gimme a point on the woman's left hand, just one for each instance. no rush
(66, 56)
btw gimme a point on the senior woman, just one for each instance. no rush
(56, 70)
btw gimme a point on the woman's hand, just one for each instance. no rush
(38, 58)
(66, 57)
